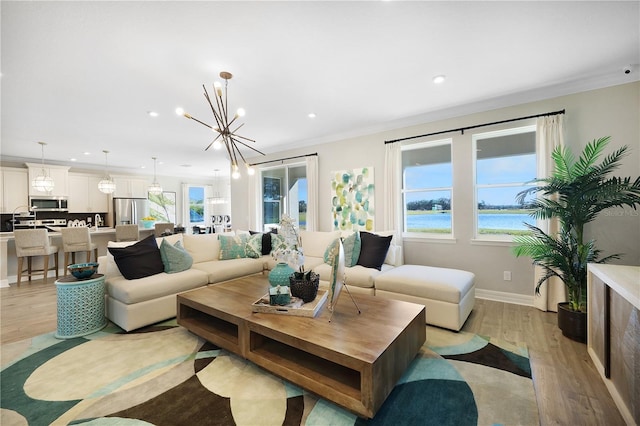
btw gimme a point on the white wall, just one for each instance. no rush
(613, 111)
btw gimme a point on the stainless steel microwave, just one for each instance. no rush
(48, 204)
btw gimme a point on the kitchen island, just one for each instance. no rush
(9, 266)
(613, 341)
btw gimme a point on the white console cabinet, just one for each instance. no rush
(14, 183)
(84, 195)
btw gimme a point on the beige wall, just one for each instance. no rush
(613, 111)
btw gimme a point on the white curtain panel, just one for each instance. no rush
(312, 192)
(549, 135)
(255, 213)
(392, 202)
(185, 205)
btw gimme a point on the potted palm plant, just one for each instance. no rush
(575, 194)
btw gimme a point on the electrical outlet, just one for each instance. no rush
(506, 275)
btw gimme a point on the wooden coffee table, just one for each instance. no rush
(355, 360)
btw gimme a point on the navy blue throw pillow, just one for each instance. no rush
(373, 250)
(266, 241)
(139, 260)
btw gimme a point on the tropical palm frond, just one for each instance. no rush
(610, 163)
(590, 154)
(562, 160)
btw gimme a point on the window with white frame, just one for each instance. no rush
(196, 209)
(284, 191)
(427, 188)
(505, 164)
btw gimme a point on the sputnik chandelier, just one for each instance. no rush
(225, 134)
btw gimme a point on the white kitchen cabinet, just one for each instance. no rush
(14, 183)
(59, 174)
(98, 201)
(130, 187)
(84, 195)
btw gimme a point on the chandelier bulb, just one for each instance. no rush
(217, 145)
(250, 170)
(240, 112)
(218, 87)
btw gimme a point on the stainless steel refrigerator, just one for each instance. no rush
(129, 210)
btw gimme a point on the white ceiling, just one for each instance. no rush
(82, 76)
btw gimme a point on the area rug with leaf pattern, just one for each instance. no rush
(164, 375)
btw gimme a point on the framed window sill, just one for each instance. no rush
(429, 239)
(489, 242)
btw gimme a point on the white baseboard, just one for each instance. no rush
(14, 278)
(502, 296)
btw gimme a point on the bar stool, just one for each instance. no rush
(127, 233)
(163, 229)
(30, 243)
(77, 239)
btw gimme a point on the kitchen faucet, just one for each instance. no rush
(13, 216)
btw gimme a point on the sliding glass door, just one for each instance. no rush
(284, 191)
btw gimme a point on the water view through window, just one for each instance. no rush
(505, 164)
(508, 221)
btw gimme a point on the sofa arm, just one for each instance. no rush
(394, 256)
(102, 265)
(107, 267)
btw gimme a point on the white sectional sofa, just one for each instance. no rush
(139, 302)
(134, 303)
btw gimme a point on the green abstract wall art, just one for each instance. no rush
(352, 205)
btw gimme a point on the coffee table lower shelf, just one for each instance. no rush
(358, 383)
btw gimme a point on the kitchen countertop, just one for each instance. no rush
(624, 280)
(8, 236)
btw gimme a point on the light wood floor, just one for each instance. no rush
(568, 387)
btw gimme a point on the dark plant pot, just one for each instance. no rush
(572, 323)
(305, 288)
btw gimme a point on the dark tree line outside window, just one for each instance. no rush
(421, 205)
(445, 204)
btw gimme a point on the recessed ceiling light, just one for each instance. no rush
(86, 153)
(439, 79)
(185, 165)
(72, 159)
(143, 167)
(311, 115)
(152, 113)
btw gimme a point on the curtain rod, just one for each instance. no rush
(283, 159)
(462, 129)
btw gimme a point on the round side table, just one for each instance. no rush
(80, 306)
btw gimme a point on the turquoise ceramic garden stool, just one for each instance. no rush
(80, 306)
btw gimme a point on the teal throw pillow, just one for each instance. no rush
(233, 247)
(278, 242)
(174, 257)
(254, 246)
(352, 245)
